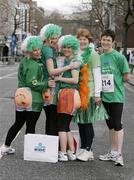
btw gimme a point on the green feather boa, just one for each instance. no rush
(86, 55)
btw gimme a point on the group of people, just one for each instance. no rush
(130, 56)
(67, 78)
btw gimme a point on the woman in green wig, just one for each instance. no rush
(68, 98)
(50, 34)
(28, 97)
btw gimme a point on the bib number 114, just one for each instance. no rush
(107, 83)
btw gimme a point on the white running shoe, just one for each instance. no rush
(119, 160)
(71, 155)
(62, 156)
(108, 157)
(5, 150)
(86, 156)
(79, 151)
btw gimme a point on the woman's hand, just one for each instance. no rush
(57, 78)
(97, 100)
(51, 83)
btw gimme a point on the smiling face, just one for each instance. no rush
(53, 40)
(35, 54)
(84, 42)
(67, 51)
(84, 37)
(107, 43)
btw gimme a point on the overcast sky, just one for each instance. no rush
(61, 5)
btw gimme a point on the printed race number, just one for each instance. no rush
(107, 83)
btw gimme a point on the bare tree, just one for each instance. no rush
(91, 11)
(39, 19)
(95, 13)
(109, 14)
(127, 9)
(6, 26)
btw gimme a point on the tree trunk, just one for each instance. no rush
(124, 39)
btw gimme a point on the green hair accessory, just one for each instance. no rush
(69, 41)
(34, 42)
(50, 30)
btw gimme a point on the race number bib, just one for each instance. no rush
(107, 83)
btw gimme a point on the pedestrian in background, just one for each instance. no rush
(131, 62)
(128, 56)
(115, 72)
(5, 52)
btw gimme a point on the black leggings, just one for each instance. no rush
(64, 122)
(86, 135)
(29, 117)
(51, 119)
(114, 111)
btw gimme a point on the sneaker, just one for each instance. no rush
(62, 156)
(108, 157)
(71, 155)
(86, 156)
(119, 160)
(5, 150)
(79, 151)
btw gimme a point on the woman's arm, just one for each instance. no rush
(73, 80)
(97, 84)
(97, 81)
(56, 71)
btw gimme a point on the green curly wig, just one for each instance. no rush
(33, 42)
(50, 30)
(69, 41)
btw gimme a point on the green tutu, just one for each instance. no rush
(92, 114)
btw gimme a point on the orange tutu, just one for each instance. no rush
(68, 101)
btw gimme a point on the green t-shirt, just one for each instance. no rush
(114, 63)
(46, 53)
(50, 53)
(30, 74)
(68, 74)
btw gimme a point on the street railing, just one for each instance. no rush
(10, 59)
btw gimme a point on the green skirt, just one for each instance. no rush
(92, 114)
